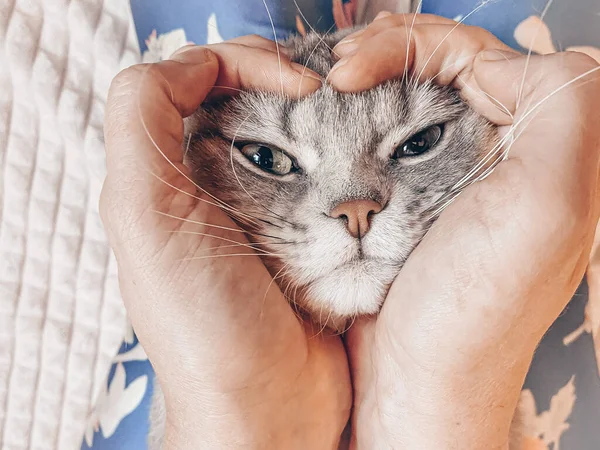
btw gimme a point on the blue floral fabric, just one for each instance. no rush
(562, 392)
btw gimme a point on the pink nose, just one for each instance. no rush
(357, 215)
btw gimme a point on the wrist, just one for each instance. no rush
(294, 419)
(246, 431)
(472, 410)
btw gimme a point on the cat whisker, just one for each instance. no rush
(481, 94)
(412, 25)
(227, 255)
(494, 100)
(228, 87)
(221, 238)
(313, 29)
(276, 46)
(493, 153)
(287, 286)
(218, 247)
(264, 302)
(483, 3)
(231, 158)
(221, 205)
(348, 326)
(153, 141)
(472, 176)
(439, 209)
(220, 86)
(310, 56)
(454, 192)
(323, 323)
(297, 308)
(187, 146)
(292, 300)
(236, 230)
(281, 242)
(469, 179)
(553, 93)
(279, 218)
(258, 233)
(268, 222)
(238, 179)
(529, 51)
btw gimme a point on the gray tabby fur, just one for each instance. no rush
(343, 143)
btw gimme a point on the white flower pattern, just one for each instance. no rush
(162, 46)
(545, 429)
(214, 37)
(115, 403)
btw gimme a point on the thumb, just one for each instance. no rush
(493, 84)
(550, 104)
(144, 133)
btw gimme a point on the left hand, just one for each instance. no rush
(237, 369)
(443, 364)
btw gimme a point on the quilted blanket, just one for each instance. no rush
(61, 318)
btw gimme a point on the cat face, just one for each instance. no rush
(339, 187)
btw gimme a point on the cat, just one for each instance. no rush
(340, 186)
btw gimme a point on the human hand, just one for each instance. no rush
(235, 364)
(443, 364)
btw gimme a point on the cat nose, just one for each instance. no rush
(357, 215)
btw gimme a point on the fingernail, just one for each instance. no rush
(306, 72)
(497, 55)
(341, 63)
(192, 54)
(350, 38)
(381, 15)
(345, 49)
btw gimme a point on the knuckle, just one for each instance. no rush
(129, 80)
(256, 37)
(580, 61)
(568, 66)
(479, 35)
(127, 77)
(251, 40)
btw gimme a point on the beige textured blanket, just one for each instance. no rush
(61, 318)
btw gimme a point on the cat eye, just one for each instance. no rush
(269, 159)
(419, 143)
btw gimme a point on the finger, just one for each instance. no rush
(534, 215)
(143, 133)
(144, 129)
(385, 22)
(359, 340)
(443, 52)
(257, 41)
(381, 15)
(253, 40)
(403, 20)
(557, 93)
(243, 67)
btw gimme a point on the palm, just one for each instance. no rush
(200, 256)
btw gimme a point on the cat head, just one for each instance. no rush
(339, 187)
